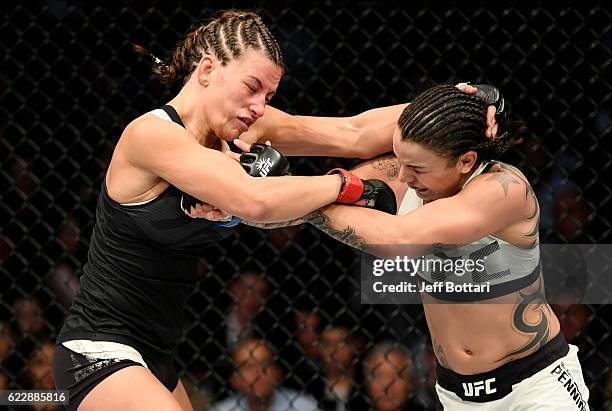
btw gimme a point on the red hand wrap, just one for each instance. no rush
(352, 186)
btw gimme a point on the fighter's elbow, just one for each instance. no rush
(399, 234)
(390, 234)
(258, 207)
(367, 148)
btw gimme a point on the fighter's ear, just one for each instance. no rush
(205, 69)
(466, 161)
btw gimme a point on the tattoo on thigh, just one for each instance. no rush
(540, 331)
(346, 235)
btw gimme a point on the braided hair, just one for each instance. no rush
(451, 122)
(227, 36)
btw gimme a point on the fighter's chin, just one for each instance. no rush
(427, 196)
(423, 193)
(231, 134)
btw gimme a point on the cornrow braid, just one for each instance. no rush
(232, 34)
(268, 41)
(227, 36)
(220, 42)
(211, 37)
(451, 122)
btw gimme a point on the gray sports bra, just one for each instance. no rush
(506, 268)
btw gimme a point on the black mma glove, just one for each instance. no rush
(264, 160)
(493, 97)
(377, 193)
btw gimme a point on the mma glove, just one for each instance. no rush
(262, 161)
(377, 194)
(493, 97)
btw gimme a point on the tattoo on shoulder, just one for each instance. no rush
(388, 164)
(534, 215)
(504, 180)
(539, 333)
(346, 235)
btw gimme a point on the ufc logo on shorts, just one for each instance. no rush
(473, 389)
(263, 166)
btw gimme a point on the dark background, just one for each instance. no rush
(70, 83)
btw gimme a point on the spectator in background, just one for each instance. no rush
(573, 319)
(302, 354)
(338, 349)
(24, 179)
(196, 385)
(7, 341)
(30, 321)
(307, 331)
(388, 372)
(39, 369)
(248, 292)
(573, 214)
(69, 235)
(257, 379)
(33, 329)
(39, 373)
(10, 359)
(283, 238)
(64, 282)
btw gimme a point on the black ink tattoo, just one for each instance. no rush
(270, 226)
(347, 235)
(504, 180)
(540, 332)
(534, 216)
(440, 354)
(388, 164)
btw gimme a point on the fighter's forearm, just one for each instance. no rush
(270, 226)
(362, 136)
(358, 227)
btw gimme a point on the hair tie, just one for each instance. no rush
(156, 60)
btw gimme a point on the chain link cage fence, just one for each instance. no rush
(70, 83)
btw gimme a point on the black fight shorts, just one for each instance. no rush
(79, 374)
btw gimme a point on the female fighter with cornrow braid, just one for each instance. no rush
(116, 348)
(500, 348)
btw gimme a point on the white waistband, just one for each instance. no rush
(104, 350)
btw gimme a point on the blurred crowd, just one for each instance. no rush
(262, 355)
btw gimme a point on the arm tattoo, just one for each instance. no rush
(270, 226)
(534, 215)
(347, 235)
(535, 301)
(388, 164)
